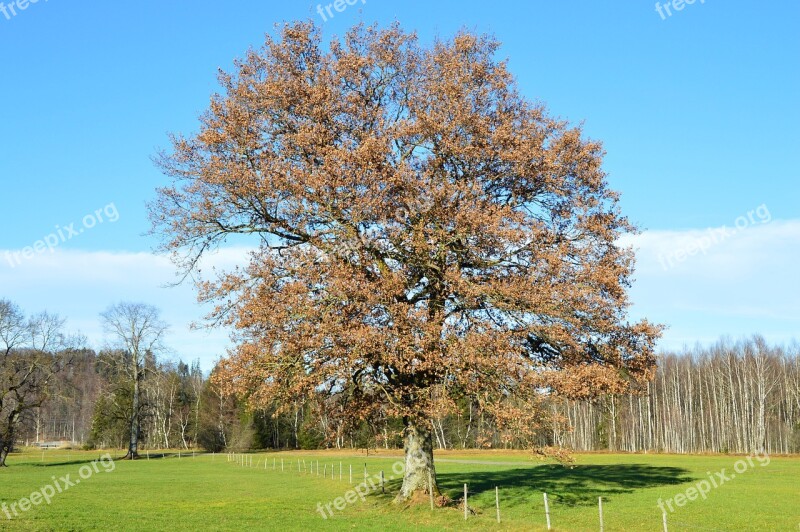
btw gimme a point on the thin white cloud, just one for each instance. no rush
(747, 283)
(79, 285)
(742, 284)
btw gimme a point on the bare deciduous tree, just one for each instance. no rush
(138, 330)
(32, 352)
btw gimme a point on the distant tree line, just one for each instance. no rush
(731, 397)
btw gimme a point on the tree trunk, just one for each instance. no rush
(7, 437)
(5, 448)
(418, 463)
(133, 446)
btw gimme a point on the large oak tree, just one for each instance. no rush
(424, 233)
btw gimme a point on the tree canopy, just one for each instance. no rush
(424, 233)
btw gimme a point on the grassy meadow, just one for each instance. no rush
(217, 492)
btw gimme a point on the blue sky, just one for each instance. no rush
(698, 112)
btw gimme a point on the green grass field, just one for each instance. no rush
(212, 493)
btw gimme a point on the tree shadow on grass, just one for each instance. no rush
(143, 457)
(55, 463)
(580, 485)
(73, 461)
(87, 459)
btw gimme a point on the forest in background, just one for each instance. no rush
(731, 397)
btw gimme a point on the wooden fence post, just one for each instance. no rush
(497, 502)
(430, 487)
(600, 506)
(547, 511)
(465, 502)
